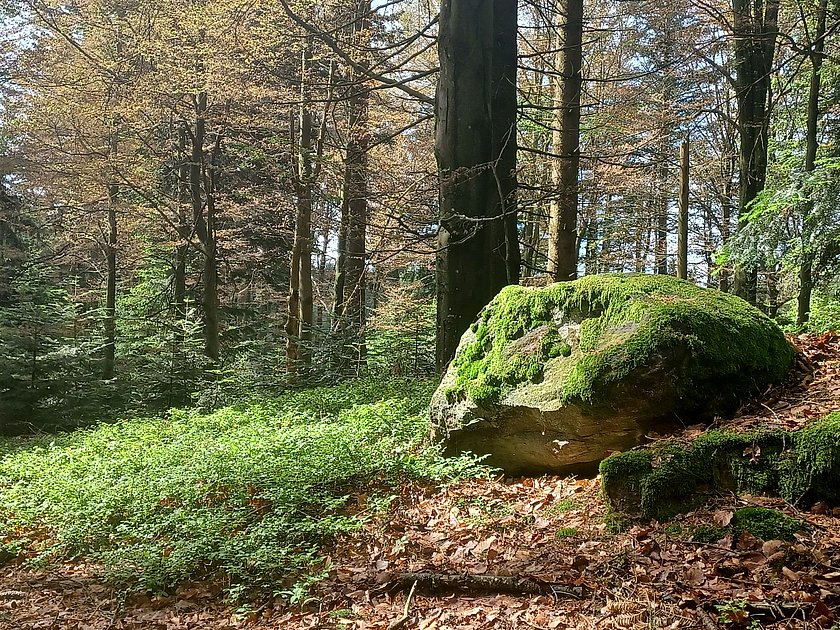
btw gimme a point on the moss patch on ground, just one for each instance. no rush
(765, 523)
(597, 330)
(669, 477)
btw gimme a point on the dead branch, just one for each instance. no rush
(435, 582)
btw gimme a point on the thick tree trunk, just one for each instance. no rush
(351, 276)
(562, 229)
(806, 269)
(755, 31)
(475, 146)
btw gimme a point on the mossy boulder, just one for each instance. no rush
(668, 477)
(552, 379)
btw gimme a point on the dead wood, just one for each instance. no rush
(436, 582)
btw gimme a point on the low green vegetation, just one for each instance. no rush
(709, 534)
(596, 330)
(668, 477)
(244, 493)
(566, 532)
(765, 523)
(824, 315)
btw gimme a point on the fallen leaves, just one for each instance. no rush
(549, 530)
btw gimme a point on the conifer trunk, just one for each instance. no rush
(351, 276)
(755, 31)
(110, 320)
(562, 231)
(475, 146)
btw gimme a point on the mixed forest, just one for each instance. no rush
(205, 201)
(240, 241)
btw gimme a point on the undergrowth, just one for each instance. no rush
(245, 494)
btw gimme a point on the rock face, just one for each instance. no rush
(553, 379)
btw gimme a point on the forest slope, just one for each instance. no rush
(693, 571)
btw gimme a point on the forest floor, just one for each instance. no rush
(548, 531)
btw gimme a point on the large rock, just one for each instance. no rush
(554, 379)
(670, 476)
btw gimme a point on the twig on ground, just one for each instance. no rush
(398, 623)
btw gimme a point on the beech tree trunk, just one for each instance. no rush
(475, 146)
(755, 30)
(562, 228)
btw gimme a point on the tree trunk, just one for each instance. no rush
(475, 146)
(211, 262)
(726, 220)
(179, 277)
(299, 319)
(806, 279)
(755, 31)
(110, 323)
(682, 219)
(350, 276)
(203, 220)
(562, 230)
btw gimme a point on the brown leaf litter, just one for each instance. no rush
(548, 531)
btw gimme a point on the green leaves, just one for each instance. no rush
(250, 491)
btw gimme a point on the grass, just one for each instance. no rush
(245, 494)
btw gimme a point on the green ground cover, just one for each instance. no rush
(247, 494)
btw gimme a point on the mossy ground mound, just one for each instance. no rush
(549, 378)
(657, 482)
(599, 329)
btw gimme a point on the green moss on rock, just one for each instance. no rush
(657, 482)
(600, 329)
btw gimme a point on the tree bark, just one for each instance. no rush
(110, 321)
(806, 275)
(211, 258)
(299, 319)
(203, 220)
(682, 219)
(351, 274)
(728, 170)
(475, 146)
(179, 277)
(562, 229)
(755, 31)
